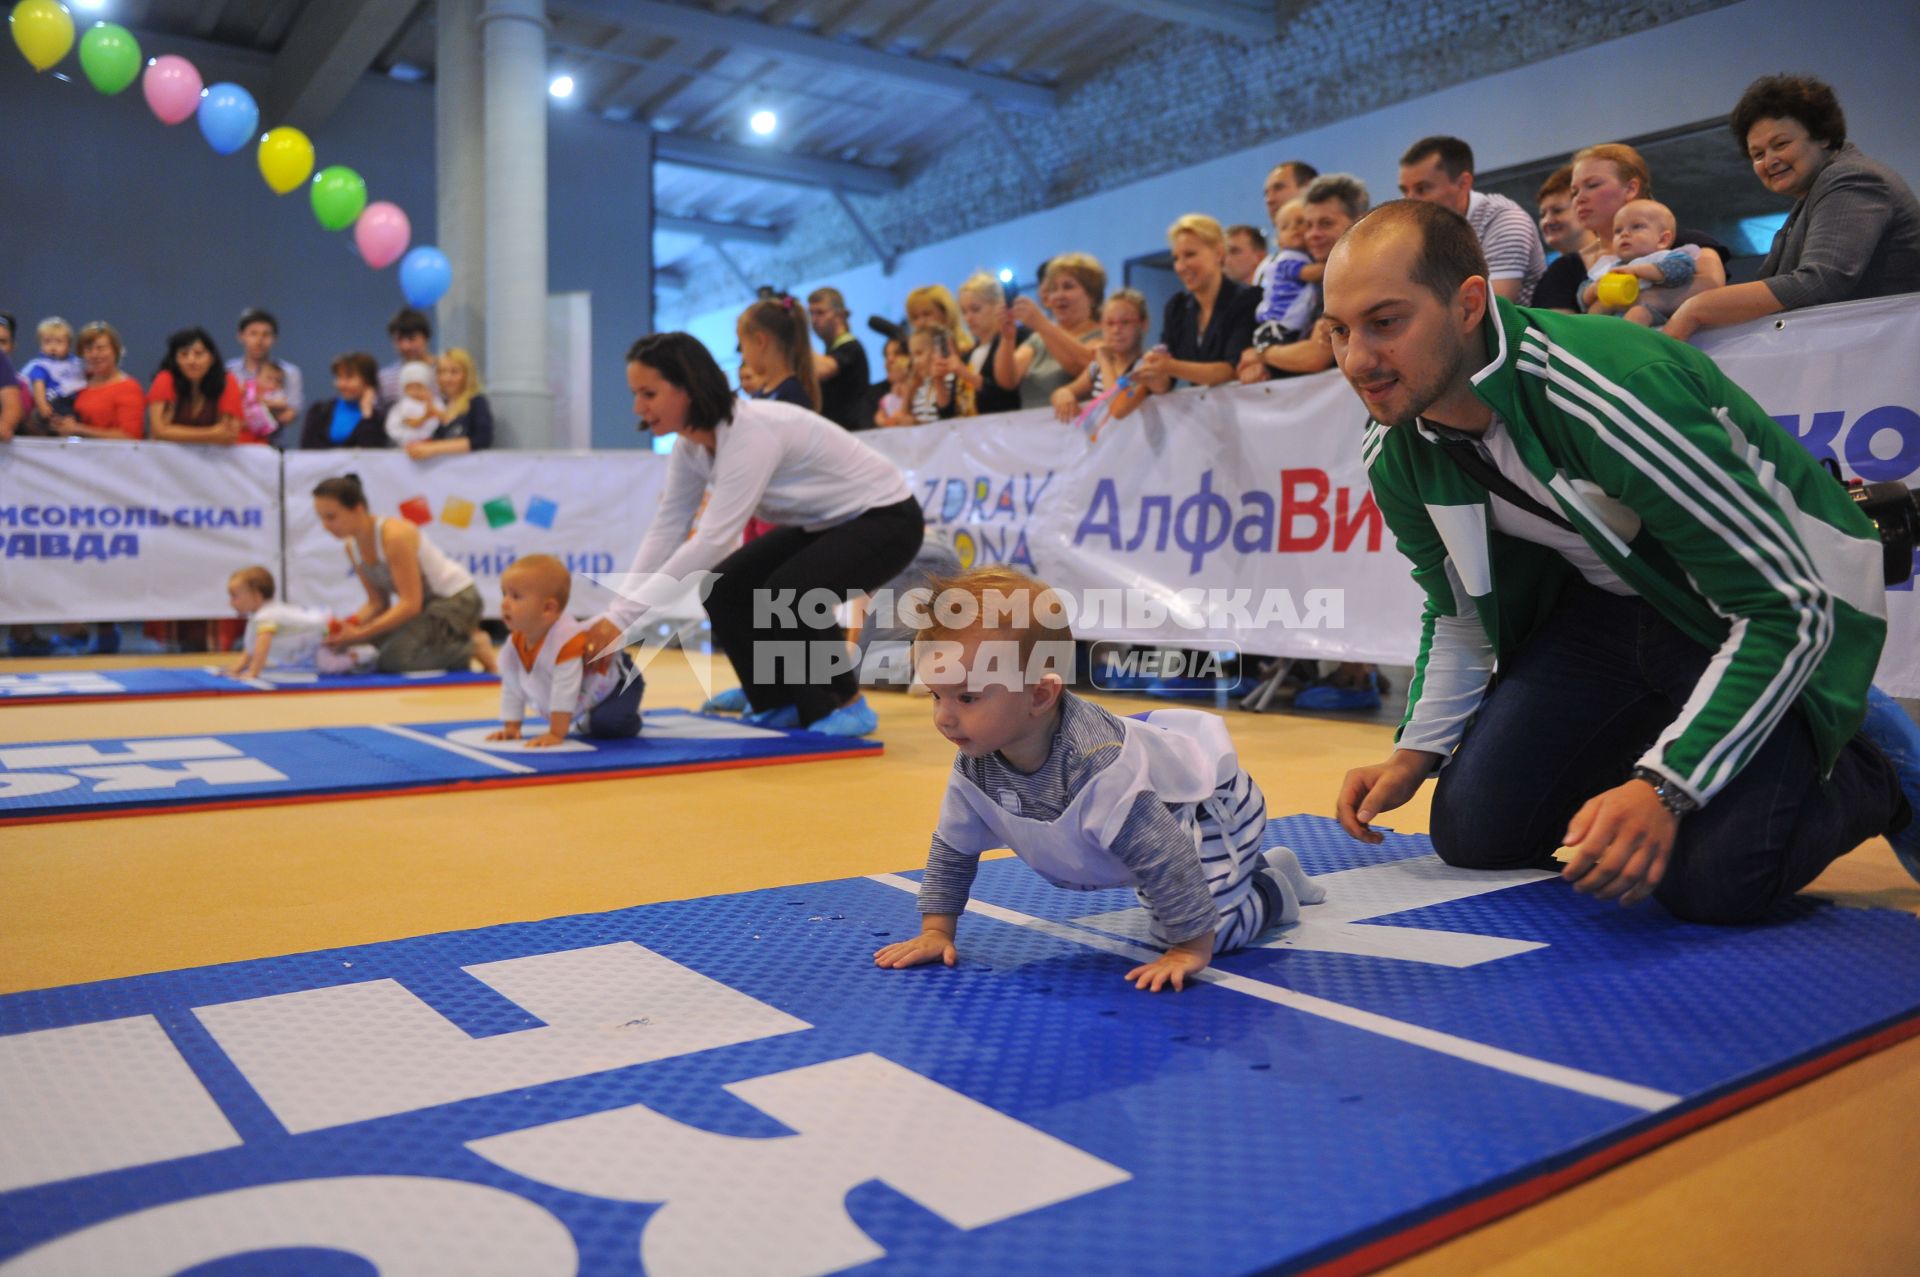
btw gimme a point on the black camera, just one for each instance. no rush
(1895, 511)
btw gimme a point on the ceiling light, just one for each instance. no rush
(562, 86)
(763, 122)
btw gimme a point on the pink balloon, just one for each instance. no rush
(382, 234)
(172, 86)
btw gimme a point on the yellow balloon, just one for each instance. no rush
(286, 159)
(44, 31)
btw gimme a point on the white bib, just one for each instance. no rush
(1177, 755)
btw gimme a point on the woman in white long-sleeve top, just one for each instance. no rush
(845, 521)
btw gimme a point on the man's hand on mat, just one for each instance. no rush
(546, 740)
(1176, 966)
(931, 945)
(1368, 791)
(1620, 842)
(600, 635)
(508, 731)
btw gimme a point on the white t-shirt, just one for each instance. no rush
(297, 633)
(442, 577)
(407, 421)
(925, 408)
(774, 461)
(1264, 271)
(553, 678)
(1496, 445)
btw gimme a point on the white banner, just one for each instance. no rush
(485, 509)
(1239, 515)
(1845, 380)
(1231, 516)
(1203, 495)
(96, 530)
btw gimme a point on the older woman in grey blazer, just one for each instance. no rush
(1854, 230)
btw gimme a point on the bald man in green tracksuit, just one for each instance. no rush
(1651, 619)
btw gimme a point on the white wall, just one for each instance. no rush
(1678, 74)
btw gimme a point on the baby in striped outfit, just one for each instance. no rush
(1088, 800)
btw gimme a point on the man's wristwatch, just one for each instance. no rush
(1671, 796)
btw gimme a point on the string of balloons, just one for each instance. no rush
(228, 117)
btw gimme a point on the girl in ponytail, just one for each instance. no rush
(775, 343)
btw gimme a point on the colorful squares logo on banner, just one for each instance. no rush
(416, 510)
(499, 512)
(457, 512)
(541, 512)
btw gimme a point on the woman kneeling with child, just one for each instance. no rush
(421, 606)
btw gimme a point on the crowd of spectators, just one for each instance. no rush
(1248, 308)
(1249, 305)
(77, 387)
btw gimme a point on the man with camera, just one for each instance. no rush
(1651, 619)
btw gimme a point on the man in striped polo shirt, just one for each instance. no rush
(1684, 610)
(1439, 170)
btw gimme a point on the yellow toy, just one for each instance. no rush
(1617, 289)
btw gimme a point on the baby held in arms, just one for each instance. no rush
(1645, 278)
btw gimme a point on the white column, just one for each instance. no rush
(514, 53)
(460, 166)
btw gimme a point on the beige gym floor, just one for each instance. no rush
(1822, 1180)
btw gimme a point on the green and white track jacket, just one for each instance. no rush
(1744, 542)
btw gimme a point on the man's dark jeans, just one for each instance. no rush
(1573, 712)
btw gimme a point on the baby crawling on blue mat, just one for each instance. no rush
(1087, 799)
(543, 668)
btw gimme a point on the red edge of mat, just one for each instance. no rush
(1423, 1236)
(212, 692)
(502, 782)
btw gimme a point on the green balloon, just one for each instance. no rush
(110, 56)
(339, 194)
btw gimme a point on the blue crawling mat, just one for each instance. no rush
(64, 687)
(730, 1086)
(79, 780)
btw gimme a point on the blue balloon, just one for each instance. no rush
(425, 275)
(228, 117)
